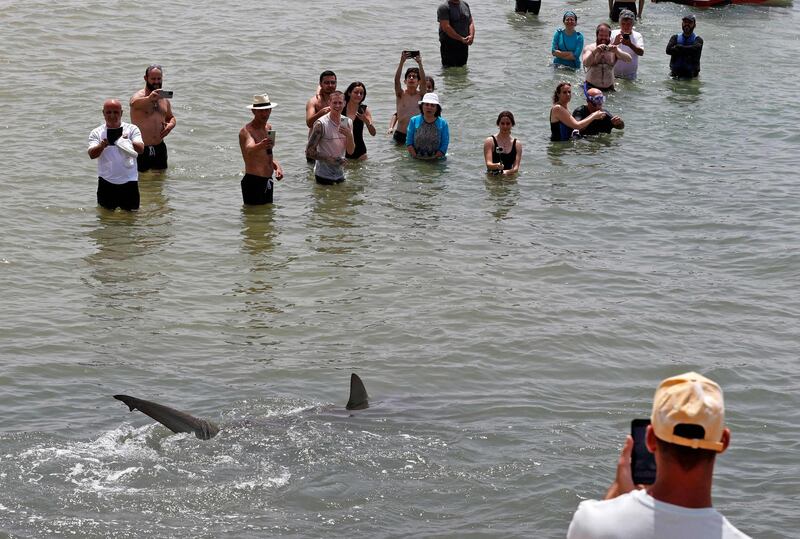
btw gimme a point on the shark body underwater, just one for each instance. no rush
(178, 421)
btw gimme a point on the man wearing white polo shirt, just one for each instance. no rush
(630, 41)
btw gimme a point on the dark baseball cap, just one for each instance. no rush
(626, 14)
(689, 17)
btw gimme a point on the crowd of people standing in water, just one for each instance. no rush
(337, 120)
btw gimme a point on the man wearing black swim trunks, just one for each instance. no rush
(152, 113)
(117, 178)
(256, 140)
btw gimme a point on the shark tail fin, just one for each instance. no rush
(173, 419)
(359, 400)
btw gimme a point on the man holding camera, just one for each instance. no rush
(456, 32)
(600, 58)
(630, 41)
(117, 178)
(152, 113)
(686, 433)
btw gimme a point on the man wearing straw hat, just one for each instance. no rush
(256, 139)
(686, 433)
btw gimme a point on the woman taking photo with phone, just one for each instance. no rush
(502, 153)
(357, 111)
(428, 134)
(562, 124)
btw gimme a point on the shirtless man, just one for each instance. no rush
(152, 113)
(259, 163)
(599, 58)
(319, 105)
(408, 99)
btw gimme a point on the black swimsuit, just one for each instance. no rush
(508, 159)
(358, 137)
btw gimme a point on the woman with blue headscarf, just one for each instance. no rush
(568, 43)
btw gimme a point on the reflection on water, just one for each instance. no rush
(684, 91)
(334, 210)
(503, 193)
(257, 229)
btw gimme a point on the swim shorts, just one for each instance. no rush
(152, 158)
(112, 195)
(399, 137)
(256, 190)
(619, 6)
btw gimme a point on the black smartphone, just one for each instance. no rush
(112, 134)
(361, 109)
(626, 37)
(166, 93)
(411, 54)
(643, 462)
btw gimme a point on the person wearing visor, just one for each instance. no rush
(567, 43)
(594, 103)
(686, 433)
(684, 50)
(630, 41)
(428, 134)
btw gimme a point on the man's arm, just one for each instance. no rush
(451, 33)
(312, 116)
(590, 55)
(169, 119)
(135, 136)
(621, 54)
(142, 102)
(312, 152)
(672, 45)
(398, 88)
(471, 36)
(96, 147)
(623, 482)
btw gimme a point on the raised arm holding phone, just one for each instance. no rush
(151, 111)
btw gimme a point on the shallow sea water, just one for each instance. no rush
(507, 331)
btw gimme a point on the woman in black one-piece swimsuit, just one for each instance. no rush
(502, 153)
(356, 110)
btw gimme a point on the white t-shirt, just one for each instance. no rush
(623, 69)
(637, 515)
(114, 165)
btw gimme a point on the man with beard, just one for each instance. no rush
(152, 113)
(256, 140)
(600, 57)
(685, 50)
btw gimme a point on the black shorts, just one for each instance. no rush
(399, 137)
(327, 181)
(619, 6)
(454, 53)
(528, 6)
(256, 190)
(152, 158)
(589, 86)
(112, 195)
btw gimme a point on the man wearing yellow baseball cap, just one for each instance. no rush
(686, 433)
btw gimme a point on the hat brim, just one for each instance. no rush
(256, 107)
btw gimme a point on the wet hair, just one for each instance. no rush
(428, 79)
(437, 113)
(349, 91)
(152, 67)
(506, 114)
(411, 70)
(558, 90)
(326, 73)
(599, 26)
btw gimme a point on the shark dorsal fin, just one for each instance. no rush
(173, 419)
(359, 400)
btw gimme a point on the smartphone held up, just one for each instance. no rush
(643, 463)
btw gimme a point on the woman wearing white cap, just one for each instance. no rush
(428, 134)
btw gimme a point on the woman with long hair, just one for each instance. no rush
(357, 111)
(562, 124)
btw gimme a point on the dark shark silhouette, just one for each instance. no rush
(178, 421)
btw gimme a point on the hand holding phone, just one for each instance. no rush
(411, 54)
(167, 94)
(643, 462)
